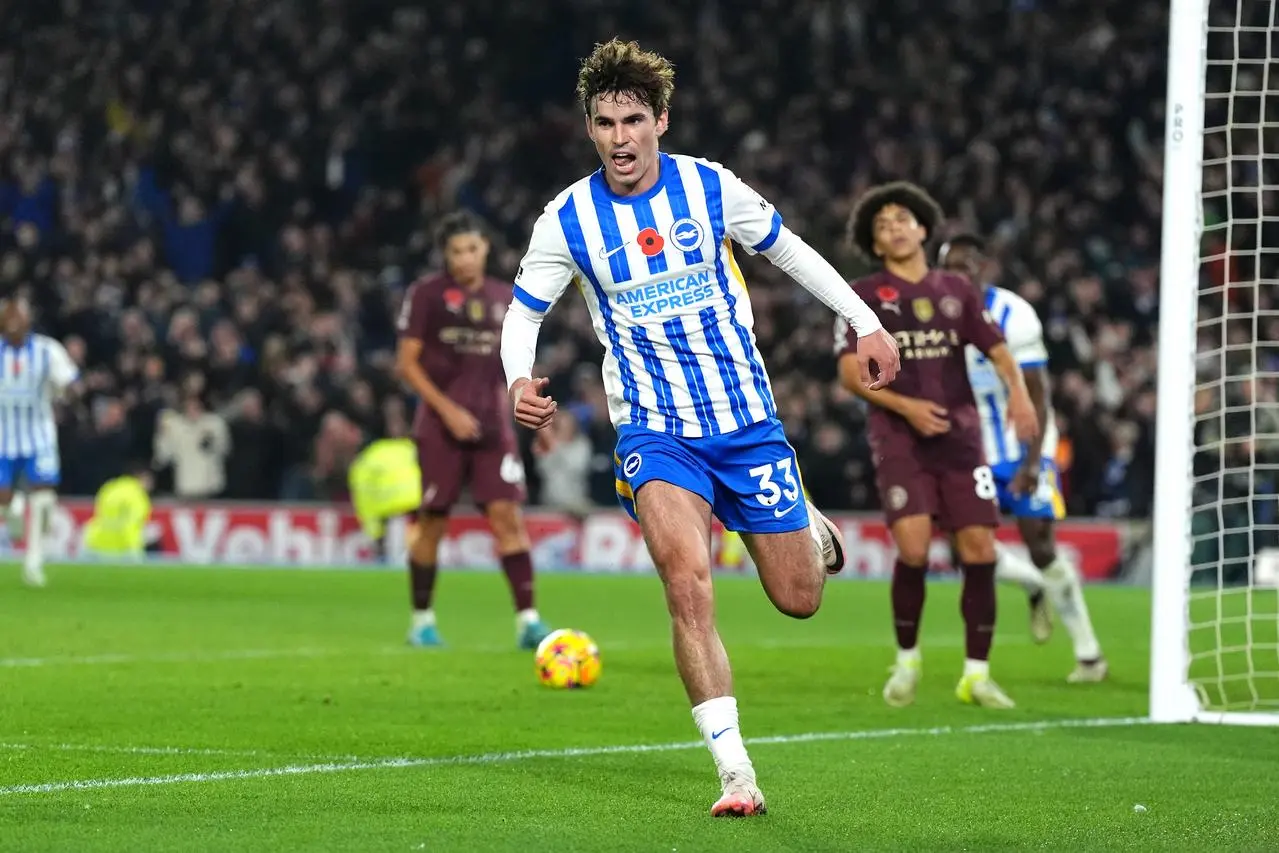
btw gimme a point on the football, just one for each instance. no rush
(567, 659)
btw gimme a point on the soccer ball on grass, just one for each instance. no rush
(566, 659)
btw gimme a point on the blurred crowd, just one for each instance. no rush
(217, 205)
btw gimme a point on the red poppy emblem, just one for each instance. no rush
(650, 242)
(453, 299)
(888, 294)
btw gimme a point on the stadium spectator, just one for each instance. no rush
(196, 442)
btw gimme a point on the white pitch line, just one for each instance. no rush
(170, 750)
(175, 657)
(580, 752)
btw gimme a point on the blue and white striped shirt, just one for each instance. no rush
(1024, 333)
(665, 294)
(32, 376)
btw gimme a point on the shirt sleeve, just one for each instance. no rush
(545, 272)
(749, 219)
(976, 326)
(753, 223)
(414, 313)
(547, 267)
(62, 370)
(1025, 336)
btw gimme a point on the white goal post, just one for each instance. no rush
(1215, 606)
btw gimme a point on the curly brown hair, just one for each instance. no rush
(861, 225)
(624, 68)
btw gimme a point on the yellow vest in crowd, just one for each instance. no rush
(121, 511)
(385, 482)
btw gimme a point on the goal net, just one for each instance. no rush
(1215, 645)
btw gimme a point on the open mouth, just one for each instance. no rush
(623, 161)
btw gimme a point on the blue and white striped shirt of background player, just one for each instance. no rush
(1024, 334)
(670, 307)
(32, 377)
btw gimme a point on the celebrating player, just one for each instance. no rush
(647, 237)
(1026, 475)
(925, 434)
(449, 327)
(35, 371)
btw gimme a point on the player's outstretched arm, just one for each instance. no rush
(544, 274)
(757, 226)
(924, 416)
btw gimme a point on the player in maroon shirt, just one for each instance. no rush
(925, 433)
(450, 328)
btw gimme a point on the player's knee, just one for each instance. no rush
(1040, 546)
(690, 597)
(975, 546)
(507, 525)
(801, 601)
(686, 576)
(429, 530)
(913, 554)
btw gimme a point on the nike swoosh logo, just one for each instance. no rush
(779, 513)
(715, 735)
(606, 253)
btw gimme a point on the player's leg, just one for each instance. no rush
(513, 547)
(912, 535)
(497, 484)
(668, 491)
(42, 475)
(908, 495)
(968, 507)
(427, 533)
(1037, 522)
(12, 531)
(1011, 567)
(443, 466)
(757, 493)
(978, 605)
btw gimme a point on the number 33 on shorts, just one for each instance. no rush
(770, 493)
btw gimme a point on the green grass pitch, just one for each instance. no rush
(168, 709)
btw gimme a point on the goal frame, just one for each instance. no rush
(1172, 698)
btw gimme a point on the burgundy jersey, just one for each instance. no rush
(461, 334)
(932, 321)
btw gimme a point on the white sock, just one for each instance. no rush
(1066, 594)
(423, 619)
(816, 529)
(717, 721)
(42, 504)
(527, 617)
(909, 657)
(18, 505)
(977, 667)
(1011, 568)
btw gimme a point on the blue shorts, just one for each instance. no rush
(750, 477)
(37, 472)
(1045, 502)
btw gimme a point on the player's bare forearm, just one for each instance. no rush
(850, 378)
(412, 374)
(1036, 379)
